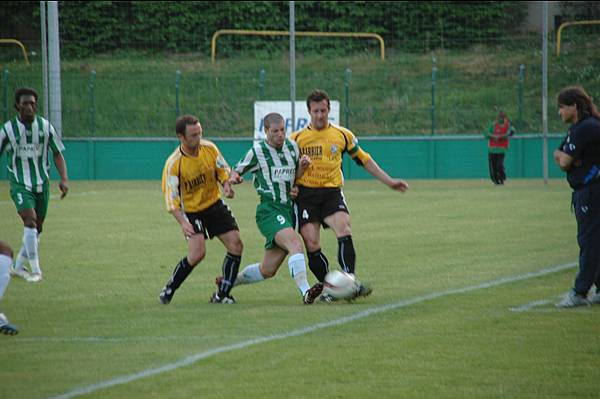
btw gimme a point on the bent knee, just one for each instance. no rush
(236, 247)
(268, 273)
(196, 257)
(6, 250)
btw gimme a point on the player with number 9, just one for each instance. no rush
(276, 163)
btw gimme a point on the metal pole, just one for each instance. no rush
(520, 99)
(92, 103)
(261, 84)
(5, 74)
(347, 94)
(44, 24)
(433, 77)
(54, 67)
(293, 63)
(177, 80)
(545, 92)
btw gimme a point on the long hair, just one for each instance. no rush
(577, 95)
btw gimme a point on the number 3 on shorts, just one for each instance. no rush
(280, 219)
(20, 198)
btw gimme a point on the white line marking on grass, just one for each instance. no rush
(189, 360)
(528, 306)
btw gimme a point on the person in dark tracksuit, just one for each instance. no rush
(579, 156)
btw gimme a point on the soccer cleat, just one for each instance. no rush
(327, 298)
(166, 295)
(227, 300)
(363, 289)
(22, 273)
(572, 300)
(34, 278)
(312, 293)
(7, 328)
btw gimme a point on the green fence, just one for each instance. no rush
(438, 157)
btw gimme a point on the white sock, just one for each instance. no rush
(297, 267)
(5, 263)
(250, 274)
(30, 242)
(21, 259)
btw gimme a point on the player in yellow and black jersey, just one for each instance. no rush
(190, 183)
(320, 199)
(325, 148)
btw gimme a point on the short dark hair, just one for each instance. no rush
(25, 91)
(317, 96)
(183, 121)
(272, 118)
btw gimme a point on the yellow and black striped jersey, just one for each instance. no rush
(191, 183)
(325, 148)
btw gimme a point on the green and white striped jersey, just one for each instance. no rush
(274, 169)
(27, 149)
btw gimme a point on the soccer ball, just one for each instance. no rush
(340, 285)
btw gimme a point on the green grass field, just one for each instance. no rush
(433, 328)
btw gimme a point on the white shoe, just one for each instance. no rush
(572, 300)
(24, 274)
(595, 298)
(34, 277)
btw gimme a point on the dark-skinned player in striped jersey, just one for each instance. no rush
(320, 199)
(276, 163)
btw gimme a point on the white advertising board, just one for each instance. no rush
(262, 108)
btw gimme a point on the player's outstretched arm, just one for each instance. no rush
(395, 184)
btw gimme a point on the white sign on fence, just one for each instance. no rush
(262, 108)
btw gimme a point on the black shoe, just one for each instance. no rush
(226, 300)
(166, 295)
(313, 293)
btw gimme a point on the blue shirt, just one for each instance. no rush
(583, 144)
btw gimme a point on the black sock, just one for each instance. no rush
(231, 265)
(182, 270)
(346, 254)
(318, 264)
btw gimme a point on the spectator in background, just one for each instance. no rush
(579, 156)
(498, 133)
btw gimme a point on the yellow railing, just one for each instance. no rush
(213, 52)
(18, 43)
(564, 25)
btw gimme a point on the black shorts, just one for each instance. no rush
(315, 204)
(215, 220)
